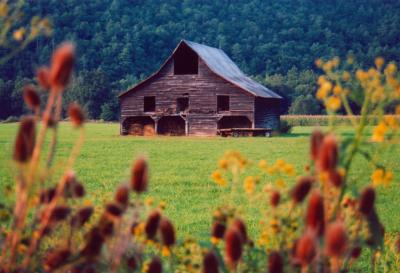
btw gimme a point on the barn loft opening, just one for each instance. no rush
(182, 104)
(222, 103)
(139, 126)
(186, 61)
(149, 104)
(171, 126)
(228, 122)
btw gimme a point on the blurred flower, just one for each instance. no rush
(31, 97)
(139, 175)
(379, 132)
(233, 246)
(152, 224)
(167, 231)
(62, 63)
(379, 62)
(56, 258)
(301, 189)
(155, 266)
(306, 249)
(367, 200)
(381, 177)
(217, 177)
(315, 216)
(19, 34)
(210, 263)
(328, 156)
(316, 141)
(336, 239)
(333, 103)
(25, 140)
(249, 184)
(43, 74)
(76, 114)
(275, 262)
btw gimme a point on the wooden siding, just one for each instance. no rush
(202, 90)
(266, 113)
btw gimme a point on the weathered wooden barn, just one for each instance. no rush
(197, 91)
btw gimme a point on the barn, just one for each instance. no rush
(198, 91)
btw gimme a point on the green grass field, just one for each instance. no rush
(181, 167)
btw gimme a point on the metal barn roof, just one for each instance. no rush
(223, 66)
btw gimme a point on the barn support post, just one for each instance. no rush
(186, 127)
(156, 125)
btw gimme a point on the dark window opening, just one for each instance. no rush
(182, 104)
(186, 61)
(222, 103)
(149, 104)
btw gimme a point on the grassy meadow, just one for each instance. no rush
(180, 169)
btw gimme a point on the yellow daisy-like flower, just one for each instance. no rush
(379, 132)
(223, 164)
(379, 62)
(391, 69)
(289, 170)
(380, 177)
(19, 34)
(346, 76)
(337, 90)
(249, 184)
(217, 177)
(333, 103)
(280, 183)
(214, 240)
(324, 90)
(165, 252)
(262, 164)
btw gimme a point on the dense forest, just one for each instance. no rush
(122, 41)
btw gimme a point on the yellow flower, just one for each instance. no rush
(350, 59)
(280, 163)
(217, 177)
(3, 9)
(324, 90)
(361, 75)
(390, 69)
(398, 110)
(333, 103)
(379, 132)
(322, 79)
(165, 252)
(223, 164)
(346, 76)
(379, 62)
(162, 205)
(249, 184)
(18, 35)
(272, 170)
(380, 177)
(392, 122)
(280, 183)
(214, 240)
(337, 90)
(289, 170)
(262, 164)
(319, 63)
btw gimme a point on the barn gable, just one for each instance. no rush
(186, 56)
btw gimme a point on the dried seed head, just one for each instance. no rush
(275, 198)
(335, 178)
(59, 213)
(301, 189)
(31, 97)
(355, 252)
(43, 77)
(56, 258)
(306, 249)
(62, 63)
(233, 246)
(367, 200)
(106, 226)
(152, 224)
(94, 243)
(114, 209)
(82, 216)
(139, 177)
(328, 156)
(167, 232)
(78, 190)
(336, 239)
(76, 114)
(218, 230)
(239, 225)
(210, 263)
(51, 122)
(122, 195)
(25, 140)
(315, 218)
(47, 195)
(131, 263)
(155, 266)
(316, 140)
(275, 262)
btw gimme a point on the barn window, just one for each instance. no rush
(222, 103)
(149, 104)
(186, 61)
(182, 104)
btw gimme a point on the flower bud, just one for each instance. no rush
(122, 195)
(218, 230)
(210, 263)
(233, 246)
(275, 262)
(367, 200)
(114, 209)
(275, 198)
(59, 213)
(335, 178)
(155, 266)
(56, 258)
(31, 97)
(239, 225)
(355, 252)
(93, 244)
(76, 114)
(43, 74)
(315, 218)
(139, 177)
(152, 224)
(301, 189)
(316, 141)
(306, 249)
(82, 216)
(336, 239)
(167, 232)
(328, 156)
(62, 63)
(25, 140)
